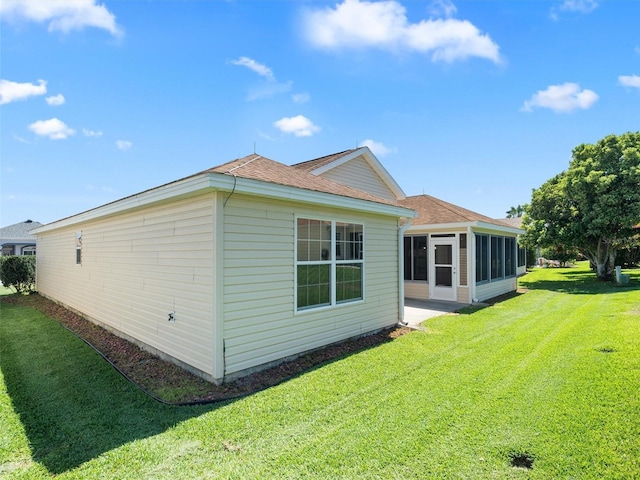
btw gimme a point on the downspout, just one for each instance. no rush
(401, 231)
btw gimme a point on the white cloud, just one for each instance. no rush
(123, 144)
(55, 100)
(439, 8)
(384, 25)
(629, 81)
(301, 97)
(12, 91)
(378, 148)
(53, 128)
(91, 133)
(257, 67)
(562, 98)
(61, 15)
(300, 126)
(580, 6)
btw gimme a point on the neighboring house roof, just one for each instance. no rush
(433, 211)
(514, 221)
(19, 233)
(257, 167)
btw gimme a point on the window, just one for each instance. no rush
(509, 256)
(415, 258)
(29, 251)
(495, 257)
(79, 248)
(329, 263)
(482, 258)
(522, 256)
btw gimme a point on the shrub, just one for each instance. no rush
(19, 272)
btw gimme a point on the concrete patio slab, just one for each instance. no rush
(417, 311)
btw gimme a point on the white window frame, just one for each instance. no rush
(79, 248)
(333, 263)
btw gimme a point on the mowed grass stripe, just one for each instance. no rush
(550, 374)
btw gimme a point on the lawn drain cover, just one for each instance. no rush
(606, 349)
(521, 460)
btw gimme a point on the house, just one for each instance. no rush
(238, 267)
(455, 254)
(17, 239)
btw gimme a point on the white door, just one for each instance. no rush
(443, 276)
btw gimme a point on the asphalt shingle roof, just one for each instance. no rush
(257, 167)
(433, 211)
(19, 231)
(311, 165)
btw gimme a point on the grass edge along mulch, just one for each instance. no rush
(170, 384)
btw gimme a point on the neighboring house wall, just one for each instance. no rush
(136, 267)
(358, 174)
(261, 323)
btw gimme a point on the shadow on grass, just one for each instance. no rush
(73, 405)
(579, 281)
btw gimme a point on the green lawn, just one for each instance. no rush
(551, 376)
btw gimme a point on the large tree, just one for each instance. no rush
(594, 205)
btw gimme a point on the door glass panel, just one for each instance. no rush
(444, 277)
(444, 255)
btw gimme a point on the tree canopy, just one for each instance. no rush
(593, 206)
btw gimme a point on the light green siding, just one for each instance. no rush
(261, 323)
(358, 174)
(136, 268)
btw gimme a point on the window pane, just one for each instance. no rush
(314, 240)
(420, 257)
(348, 282)
(482, 258)
(444, 278)
(444, 255)
(509, 256)
(497, 257)
(313, 285)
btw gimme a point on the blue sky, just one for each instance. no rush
(474, 102)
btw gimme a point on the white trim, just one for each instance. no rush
(453, 241)
(484, 226)
(401, 280)
(333, 263)
(218, 288)
(202, 183)
(373, 162)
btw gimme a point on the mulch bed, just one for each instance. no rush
(168, 383)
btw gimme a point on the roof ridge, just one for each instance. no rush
(245, 163)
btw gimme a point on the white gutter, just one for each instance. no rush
(208, 182)
(478, 225)
(401, 231)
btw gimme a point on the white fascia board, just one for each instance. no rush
(198, 184)
(480, 227)
(184, 188)
(373, 162)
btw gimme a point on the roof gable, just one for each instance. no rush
(335, 167)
